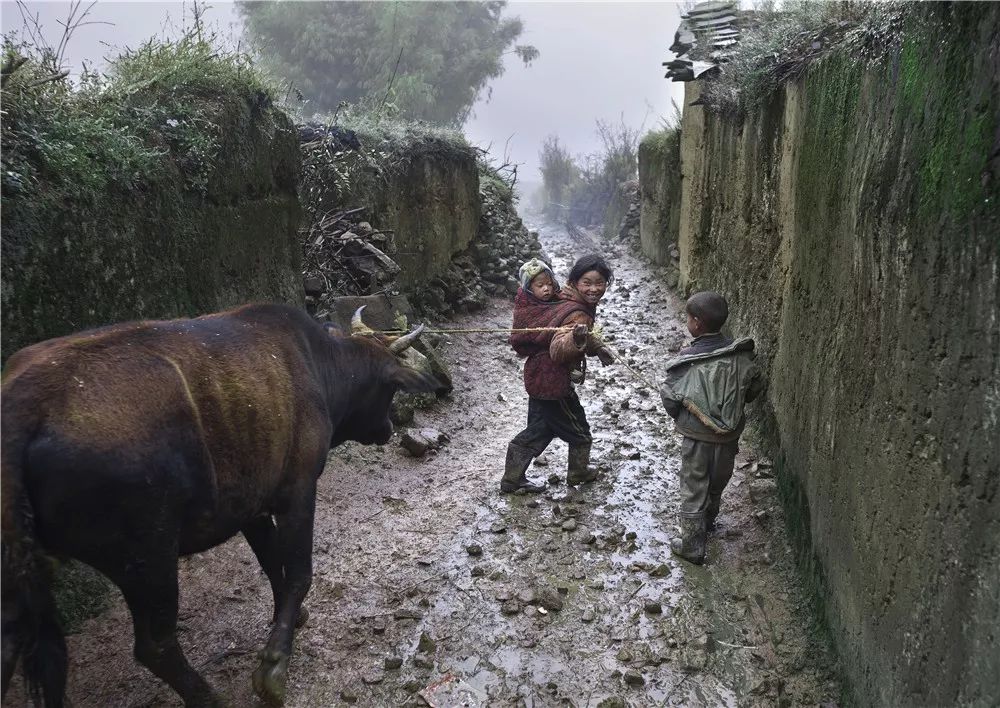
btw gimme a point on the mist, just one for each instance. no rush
(599, 61)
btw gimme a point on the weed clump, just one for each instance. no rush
(155, 112)
(778, 45)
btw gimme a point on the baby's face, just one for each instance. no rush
(542, 286)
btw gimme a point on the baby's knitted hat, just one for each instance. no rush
(532, 268)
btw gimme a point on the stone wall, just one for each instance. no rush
(160, 250)
(853, 224)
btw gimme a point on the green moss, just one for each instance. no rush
(951, 140)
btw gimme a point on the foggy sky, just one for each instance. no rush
(598, 60)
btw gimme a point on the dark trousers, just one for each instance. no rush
(705, 471)
(564, 419)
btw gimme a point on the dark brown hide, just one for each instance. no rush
(127, 446)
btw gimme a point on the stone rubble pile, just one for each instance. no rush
(488, 267)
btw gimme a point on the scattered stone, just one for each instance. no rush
(588, 616)
(404, 613)
(760, 515)
(373, 677)
(474, 549)
(541, 461)
(634, 678)
(554, 479)
(631, 536)
(426, 644)
(414, 443)
(502, 398)
(422, 661)
(569, 525)
(624, 655)
(532, 504)
(634, 455)
(503, 595)
(392, 663)
(498, 527)
(478, 571)
(660, 571)
(526, 596)
(510, 607)
(562, 589)
(586, 537)
(412, 686)
(612, 702)
(653, 608)
(549, 599)
(348, 696)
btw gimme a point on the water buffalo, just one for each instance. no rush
(128, 446)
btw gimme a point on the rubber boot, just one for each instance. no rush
(691, 544)
(580, 471)
(514, 478)
(712, 511)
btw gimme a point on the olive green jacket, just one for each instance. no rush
(705, 393)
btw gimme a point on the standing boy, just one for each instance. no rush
(705, 390)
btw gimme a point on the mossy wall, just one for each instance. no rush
(158, 249)
(660, 190)
(853, 224)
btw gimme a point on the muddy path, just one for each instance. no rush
(423, 571)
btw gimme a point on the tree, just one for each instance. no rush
(559, 172)
(431, 60)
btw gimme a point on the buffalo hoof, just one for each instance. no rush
(303, 617)
(270, 678)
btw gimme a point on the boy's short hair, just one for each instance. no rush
(709, 307)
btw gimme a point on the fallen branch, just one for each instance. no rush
(55, 77)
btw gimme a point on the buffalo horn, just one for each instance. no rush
(403, 343)
(358, 327)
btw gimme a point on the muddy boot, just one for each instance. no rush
(691, 544)
(580, 471)
(514, 478)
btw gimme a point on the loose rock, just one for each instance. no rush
(634, 678)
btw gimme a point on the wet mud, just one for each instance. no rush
(429, 586)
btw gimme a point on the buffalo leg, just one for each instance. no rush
(293, 541)
(151, 594)
(262, 536)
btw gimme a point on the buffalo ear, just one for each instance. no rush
(333, 330)
(413, 381)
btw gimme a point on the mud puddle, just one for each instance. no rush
(425, 575)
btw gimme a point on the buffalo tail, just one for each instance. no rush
(31, 629)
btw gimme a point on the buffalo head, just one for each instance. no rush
(391, 365)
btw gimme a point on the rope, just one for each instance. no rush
(486, 330)
(507, 330)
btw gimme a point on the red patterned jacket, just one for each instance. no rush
(550, 355)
